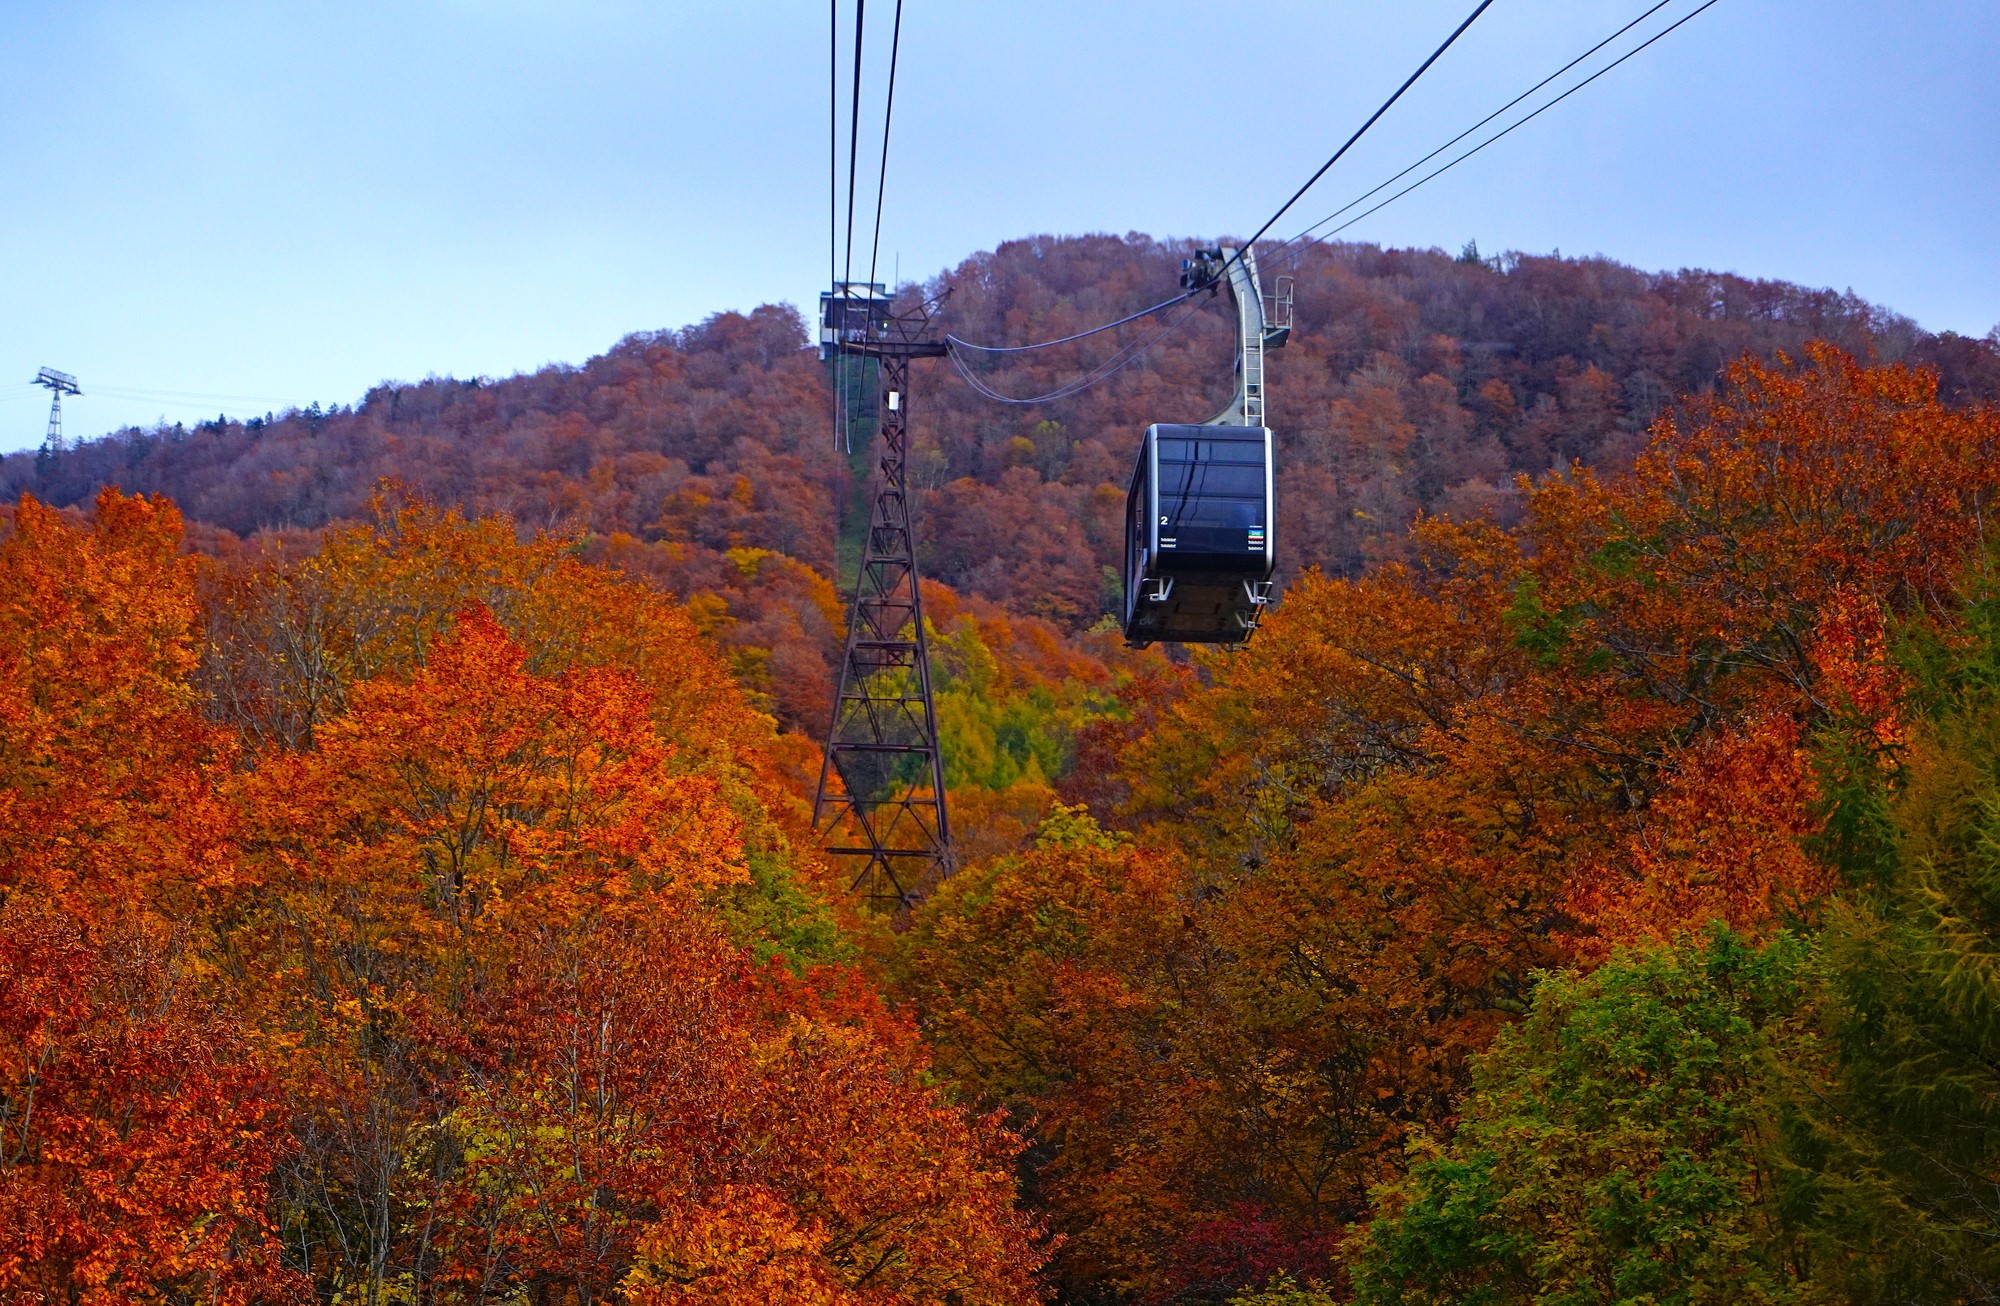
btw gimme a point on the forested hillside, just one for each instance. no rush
(1584, 889)
(1415, 381)
(703, 459)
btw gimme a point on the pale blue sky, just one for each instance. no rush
(280, 203)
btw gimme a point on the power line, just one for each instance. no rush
(1126, 356)
(888, 116)
(1362, 130)
(833, 143)
(1109, 367)
(841, 370)
(1307, 234)
(1046, 344)
(135, 395)
(1268, 224)
(144, 394)
(854, 133)
(833, 207)
(1662, 4)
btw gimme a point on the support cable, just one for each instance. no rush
(1308, 236)
(844, 415)
(1104, 370)
(888, 116)
(1125, 356)
(833, 214)
(833, 143)
(1297, 243)
(854, 137)
(1363, 198)
(1360, 131)
(1046, 344)
(145, 395)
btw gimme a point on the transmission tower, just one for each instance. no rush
(880, 806)
(58, 384)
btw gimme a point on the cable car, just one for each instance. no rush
(1199, 546)
(1200, 521)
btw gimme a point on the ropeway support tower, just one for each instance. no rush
(880, 804)
(58, 385)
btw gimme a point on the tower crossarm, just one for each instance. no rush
(58, 384)
(62, 383)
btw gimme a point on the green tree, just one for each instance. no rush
(1618, 1146)
(1903, 1154)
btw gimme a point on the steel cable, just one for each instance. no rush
(833, 212)
(1081, 335)
(1310, 238)
(843, 418)
(1363, 198)
(1102, 371)
(888, 116)
(1360, 131)
(854, 135)
(142, 395)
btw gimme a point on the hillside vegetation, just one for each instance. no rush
(1415, 381)
(1583, 890)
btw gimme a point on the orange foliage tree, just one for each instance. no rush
(473, 962)
(136, 1132)
(490, 886)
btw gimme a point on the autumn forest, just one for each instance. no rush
(1585, 888)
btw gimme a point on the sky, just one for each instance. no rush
(233, 206)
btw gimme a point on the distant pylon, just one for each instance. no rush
(58, 384)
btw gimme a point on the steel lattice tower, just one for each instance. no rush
(881, 798)
(58, 385)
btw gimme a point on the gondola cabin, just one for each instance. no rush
(1199, 545)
